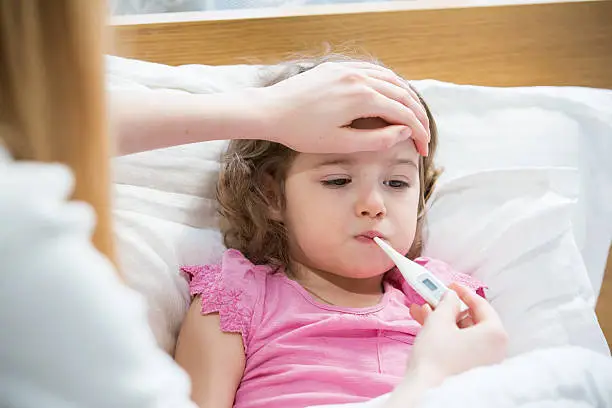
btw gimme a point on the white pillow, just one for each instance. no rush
(165, 217)
(523, 249)
(165, 202)
(488, 128)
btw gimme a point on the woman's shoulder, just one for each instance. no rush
(53, 275)
(34, 200)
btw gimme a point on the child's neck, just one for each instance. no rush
(338, 290)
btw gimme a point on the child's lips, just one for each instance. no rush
(372, 234)
(368, 237)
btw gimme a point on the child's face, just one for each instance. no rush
(335, 203)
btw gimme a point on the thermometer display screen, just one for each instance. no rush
(430, 284)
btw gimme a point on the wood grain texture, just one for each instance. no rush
(604, 305)
(563, 43)
(567, 43)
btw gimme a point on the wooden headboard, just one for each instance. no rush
(522, 43)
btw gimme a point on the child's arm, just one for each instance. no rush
(213, 359)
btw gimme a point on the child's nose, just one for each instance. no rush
(371, 204)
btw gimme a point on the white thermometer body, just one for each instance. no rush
(418, 277)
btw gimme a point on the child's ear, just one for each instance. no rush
(272, 190)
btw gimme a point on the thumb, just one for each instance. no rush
(449, 308)
(376, 139)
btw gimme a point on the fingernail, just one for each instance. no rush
(423, 149)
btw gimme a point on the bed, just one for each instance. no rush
(520, 44)
(525, 43)
(518, 55)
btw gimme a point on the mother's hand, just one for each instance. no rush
(445, 348)
(310, 112)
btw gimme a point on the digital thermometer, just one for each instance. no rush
(419, 278)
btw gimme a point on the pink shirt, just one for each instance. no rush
(300, 352)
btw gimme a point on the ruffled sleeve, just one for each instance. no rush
(442, 271)
(233, 289)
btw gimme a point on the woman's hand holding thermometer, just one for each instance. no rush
(443, 349)
(419, 278)
(462, 333)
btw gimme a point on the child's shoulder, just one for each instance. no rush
(233, 271)
(232, 287)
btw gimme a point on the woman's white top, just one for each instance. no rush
(71, 334)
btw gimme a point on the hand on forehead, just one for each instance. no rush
(371, 123)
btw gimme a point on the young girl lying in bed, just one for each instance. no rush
(306, 309)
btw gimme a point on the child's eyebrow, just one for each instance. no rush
(405, 161)
(337, 161)
(345, 161)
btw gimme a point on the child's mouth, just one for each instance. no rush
(368, 237)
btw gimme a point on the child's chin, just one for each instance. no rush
(365, 270)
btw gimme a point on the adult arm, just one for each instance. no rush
(310, 112)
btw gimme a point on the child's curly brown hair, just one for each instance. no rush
(248, 167)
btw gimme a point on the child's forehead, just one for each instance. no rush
(401, 153)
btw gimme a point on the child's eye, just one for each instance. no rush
(336, 182)
(396, 184)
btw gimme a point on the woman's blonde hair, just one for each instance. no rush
(249, 167)
(52, 105)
